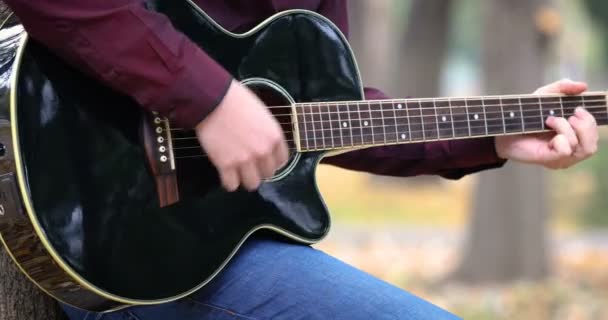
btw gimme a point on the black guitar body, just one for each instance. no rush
(86, 224)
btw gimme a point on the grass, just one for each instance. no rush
(355, 198)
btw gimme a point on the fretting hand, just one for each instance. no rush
(243, 140)
(573, 140)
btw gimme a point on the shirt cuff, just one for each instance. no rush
(196, 92)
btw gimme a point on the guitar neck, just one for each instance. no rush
(352, 124)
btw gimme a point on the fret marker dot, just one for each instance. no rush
(444, 119)
(365, 123)
(476, 117)
(403, 136)
(512, 115)
(400, 106)
(345, 125)
(552, 112)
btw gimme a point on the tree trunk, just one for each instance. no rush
(423, 48)
(508, 235)
(371, 32)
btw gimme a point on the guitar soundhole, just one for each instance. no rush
(279, 103)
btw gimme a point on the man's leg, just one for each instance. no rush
(269, 279)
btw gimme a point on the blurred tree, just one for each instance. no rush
(594, 215)
(19, 298)
(424, 47)
(598, 11)
(405, 59)
(371, 20)
(507, 237)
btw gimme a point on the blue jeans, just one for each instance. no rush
(269, 279)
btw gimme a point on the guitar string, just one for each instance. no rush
(368, 128)
(599, 97)
(560, 96)
(410, 139)
(412, 117)
(311, 114)
(339, 121)
(468, 121)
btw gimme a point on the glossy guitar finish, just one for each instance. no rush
(86, 198)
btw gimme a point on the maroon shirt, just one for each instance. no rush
(139, 53)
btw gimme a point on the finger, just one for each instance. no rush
(560, 148)
(565, 86)
(563, 127)
(586, 130)
(585, 115)
(249, 176)
(230, 179)
(267, 166)
(281, 154)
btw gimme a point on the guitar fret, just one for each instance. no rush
(460, 119)
(327, 114)
(521, 112)
(477, 121)
(312, 134)
(353, 122)
(383, 126)
(483, 106)
(377, 119)
(550, 107)
(314, 129)
(401, 122)
(444, 119)
(561, 107)
(345, 125)
(430, 117)
(511, 115)
(350, 126)
(334, 120)
(494, 119)
(407, 116)
(422, 120)
(396, 126)
(596, 105)
(530, 114)
(570, 103)
(367, 127)
(371, 122)
(502, 114)
(540, 109)
(304, 137)
(436, 118)
(416, 132)
(451, 118)
(466, 109)
(360, 124)
(320, 125)
(388, 116)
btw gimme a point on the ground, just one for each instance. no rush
(411, 234)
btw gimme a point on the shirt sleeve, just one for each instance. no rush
(449, 159)
(133, 50)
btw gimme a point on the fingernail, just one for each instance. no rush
(578, 110)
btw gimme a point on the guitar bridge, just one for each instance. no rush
(156, 133)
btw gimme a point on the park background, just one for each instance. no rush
(516, 243)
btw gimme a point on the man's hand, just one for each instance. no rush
(242, 139)
(574, 139)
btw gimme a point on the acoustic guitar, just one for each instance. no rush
(104, 206)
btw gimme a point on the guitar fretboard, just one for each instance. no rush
(339, 125)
